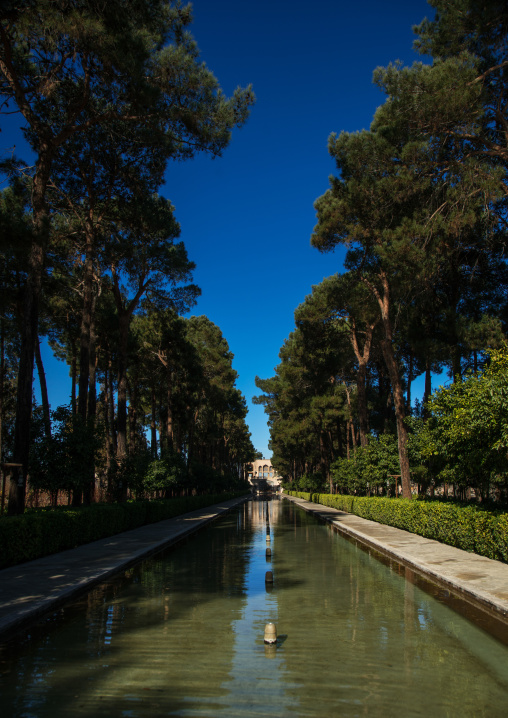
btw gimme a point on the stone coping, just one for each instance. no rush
(479, 580)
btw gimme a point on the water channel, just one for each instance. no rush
(182, 635)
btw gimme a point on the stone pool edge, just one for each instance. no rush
(30, 590)
(477, 579)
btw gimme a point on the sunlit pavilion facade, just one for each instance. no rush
(262, 469)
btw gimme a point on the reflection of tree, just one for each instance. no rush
(146, 638)
(360, 640)
(363, 641)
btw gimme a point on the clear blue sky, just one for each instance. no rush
(247, 217)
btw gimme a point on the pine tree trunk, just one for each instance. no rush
(107, 428)
(111, 408)
(353, 438)
(2, 379)
(383, 299)
(44, 389)
(86, 322)
(340, 441)
(428, 388)
(25, 377)
(89, 490)
(190, 447)
(133, 417)
(361, 381)
(29, 331)
(153, 424)
(92, 372)
(73, 380)
(400, 415)
(162, 429)
(121, 449)
(169, 419)
(363, 415)
(409, 381)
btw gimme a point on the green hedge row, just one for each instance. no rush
(42, 532)
(470, 528)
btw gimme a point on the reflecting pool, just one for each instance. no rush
(182, 635)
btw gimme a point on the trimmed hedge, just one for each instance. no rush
(42, 532)
(470, 528)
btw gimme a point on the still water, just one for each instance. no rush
(182, 635)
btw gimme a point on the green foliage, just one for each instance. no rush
(147, 476)
(61, 461)
(39, 532)
(218, 434)
(412, 202)
(108, 93)
(310, 482)
(465, 440)
(164, 474)
(370, 467)
(129, 472)
(309, 400)
(470, 528)
(204, 478)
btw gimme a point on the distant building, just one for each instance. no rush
(262, 470)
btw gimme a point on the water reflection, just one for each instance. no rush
(182, 635)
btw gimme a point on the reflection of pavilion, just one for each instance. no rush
(262, 475)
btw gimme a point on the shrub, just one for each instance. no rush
(369, 467)
(166, 473)
(62, 461)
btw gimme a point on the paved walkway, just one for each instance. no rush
(33, 588)
(480, 580)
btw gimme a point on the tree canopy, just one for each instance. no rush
(419, 203)
(107, 95)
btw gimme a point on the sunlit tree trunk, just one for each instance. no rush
(383, 299)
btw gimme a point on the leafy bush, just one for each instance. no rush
(465, 440)
(204, 478)
(370, 467)
(165, 474)
(62, 461)
(146, 475)
(310, 482)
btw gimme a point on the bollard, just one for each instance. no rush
(270, 633)
(268, 577)
(267, 538)
(268, 552)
